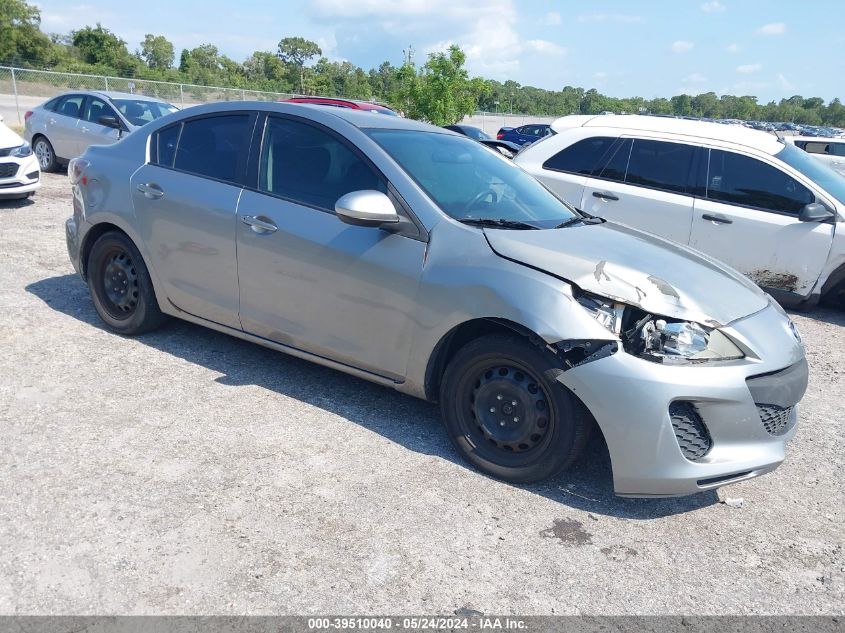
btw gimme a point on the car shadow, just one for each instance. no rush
(15, 203)
(826, 313)
(586, 486)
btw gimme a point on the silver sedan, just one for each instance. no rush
(63, 127)
(416, 258)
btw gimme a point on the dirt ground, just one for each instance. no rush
(186, 472)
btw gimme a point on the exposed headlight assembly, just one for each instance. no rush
(657, 338)
(21, 151)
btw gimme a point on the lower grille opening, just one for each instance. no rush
(31, 175)
(690, 430)
(716, 480)
(775, 419)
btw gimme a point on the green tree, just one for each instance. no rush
(443, 93)
(297, 51)
(157, 52)
(21, 39)
(97, 45)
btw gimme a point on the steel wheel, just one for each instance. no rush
(120, 283)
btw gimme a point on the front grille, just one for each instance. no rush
(775, 419)
(7, 170)
(690, 431)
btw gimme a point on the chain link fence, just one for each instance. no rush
(21, 89)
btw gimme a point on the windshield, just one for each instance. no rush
(469, 182)
(140, 112)
(815, 170)
(476, 133)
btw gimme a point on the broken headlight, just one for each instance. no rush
(657, 338)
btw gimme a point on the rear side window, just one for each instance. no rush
(70, 105)
(164, 145)
(583, 157)
(815, 147)
(617, 166)
(215, 146)
(743, 180)
(660, 165)
(305, 164)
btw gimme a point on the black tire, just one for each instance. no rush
(43, 149)
(120, 286)
(542, 434)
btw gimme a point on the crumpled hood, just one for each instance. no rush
(637, 268)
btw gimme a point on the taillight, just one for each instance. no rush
(76, 171)
(27, 115)
(499, 136)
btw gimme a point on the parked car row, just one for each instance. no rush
(414, 257)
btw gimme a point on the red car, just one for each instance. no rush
(344, 103)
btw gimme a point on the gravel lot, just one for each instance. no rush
(186, 472)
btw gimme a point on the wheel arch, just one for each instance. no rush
(835, 279)
(90, 238)
(462, 334)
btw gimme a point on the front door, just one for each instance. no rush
(186, 201)
(749, 219)
(89, 131)
(310, 281)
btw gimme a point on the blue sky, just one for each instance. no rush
(648, 48)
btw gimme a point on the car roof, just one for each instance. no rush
(112, 94)
(818, 139)
(359, 118)
(363, 105)
(694, 129)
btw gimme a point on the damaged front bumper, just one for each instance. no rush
(675, 430)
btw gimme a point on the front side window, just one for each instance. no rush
(140, 111)
(469, 182)
(744, 180)
(70, 105)
(305, 164)
(582, 157)
(215, 146)
(837, 149)
(815, 170)
(96, 108)
(660, 165)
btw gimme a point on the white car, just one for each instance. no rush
(19, 172)
(747, 198)
(828, 150)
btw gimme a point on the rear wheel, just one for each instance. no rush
(120, 286)
(506, 415)
(45, 154)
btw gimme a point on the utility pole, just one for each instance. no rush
(408, 54)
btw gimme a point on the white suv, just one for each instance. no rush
(745, 197)
(828, 150)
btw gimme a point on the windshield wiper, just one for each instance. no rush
(499, 223)
(584, 219)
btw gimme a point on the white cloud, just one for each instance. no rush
(682, 46)
(732, 48)
(611, 17)
(714, 6)
(546, 47)
(784, 83)
(553, 18)
(695, 78)
(747, 69)
(775, 28)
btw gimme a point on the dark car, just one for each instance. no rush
(376, 108)
(525, 134)
(506, 148)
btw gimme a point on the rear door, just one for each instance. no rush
(748, 218)
(186, 200)
(61, 126)
(89, 131)
(309, 280)
(647, 184)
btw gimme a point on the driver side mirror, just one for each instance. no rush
(112, 122)
(366, 208)
(815, 212)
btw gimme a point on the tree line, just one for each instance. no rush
(440, 90)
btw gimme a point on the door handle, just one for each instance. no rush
(151, 190)
(603, 195)
(718, 219)
(85, 129)
(258, 225)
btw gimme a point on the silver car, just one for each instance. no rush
(414, 257)
(65, 126)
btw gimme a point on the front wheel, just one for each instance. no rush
(120, 286)
(505, 414)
